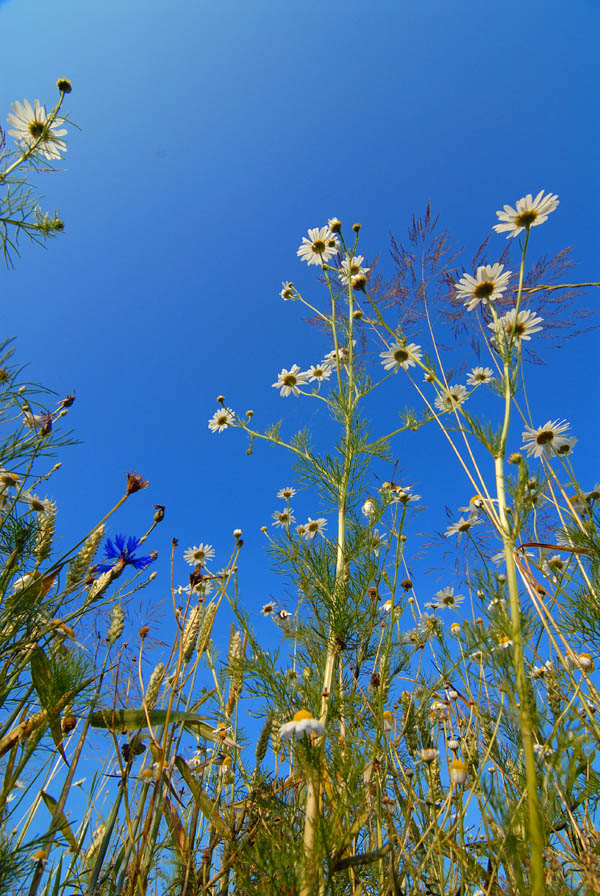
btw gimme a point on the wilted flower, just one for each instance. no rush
(287, 291)
(429, 754)
(388, 720)
(302, 723)
(369, 508)
(458, 772)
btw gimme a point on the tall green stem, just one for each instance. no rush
(536, 836)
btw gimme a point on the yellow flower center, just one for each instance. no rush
(302, 715)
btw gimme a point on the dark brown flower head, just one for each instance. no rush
(160, 513)
(406, 584)
(143, 631)
(68, 400)
(356, 228)
(135, 483)
(64, 85)
(375, 680)
(359, 281)
(372, 592)
(196, 576)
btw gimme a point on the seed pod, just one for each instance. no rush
(190, 633)
(45, 535)
(78, 568)
(263, 741)
(154, 685)
(117, 624)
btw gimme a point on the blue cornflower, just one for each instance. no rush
(121, 553)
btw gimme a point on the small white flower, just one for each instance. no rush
(320, 246)
(458, 772)
(289, 380)
(302, 723)
(221, 419)
(593, 496)
(528, 213)
(283, 616)
(546, 439)
(447, 599)
(319, 372)
(401, 355)
(286, 493)
(79, 782)
(287, 291)
(479, 375)
(314, 527)
(512, 326)
(369, 508)
(199, 554)
(543, 751)
(283, 518)
(460, 527)
(268, 609)
(386, 607)
(505, 643)
(350, 267)
(487, 286)
(451, 398)
(30, 123)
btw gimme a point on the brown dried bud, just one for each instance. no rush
(68, 400)
(64, 85)
(375, 680)
(406, 584)
(356, 228)
(160, 513)
(357, 315)
(143, 631)
(372, 592)
(68, 722)
(135, 483)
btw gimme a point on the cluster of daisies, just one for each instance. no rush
(285, 517)
(491, 281)
(321, 246)
(288, 381)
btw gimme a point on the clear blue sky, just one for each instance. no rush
(213, 134)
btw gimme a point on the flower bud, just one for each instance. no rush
(64, 85)
(335, 225)
(356, 228)
(237, 533)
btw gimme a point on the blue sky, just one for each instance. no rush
(212, 136)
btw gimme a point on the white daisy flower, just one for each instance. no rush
(302, 723)
(451, 398)
(528, 213)
(487, 285)
(221, 419)
(401, 493)
(199, 554)
(314, 527)
(521, 326)
(320, 246)
(289, 380)
(401, 355)
(593, 496)
(447, 599)
(350, 267)
(459, 528)
(286, 493)
(267, 609)
(283, 518)
(30, 123)
(386, 607)
(545, 439)
(567, 446)
(319, 372)
(479, 375)
(287, 291)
